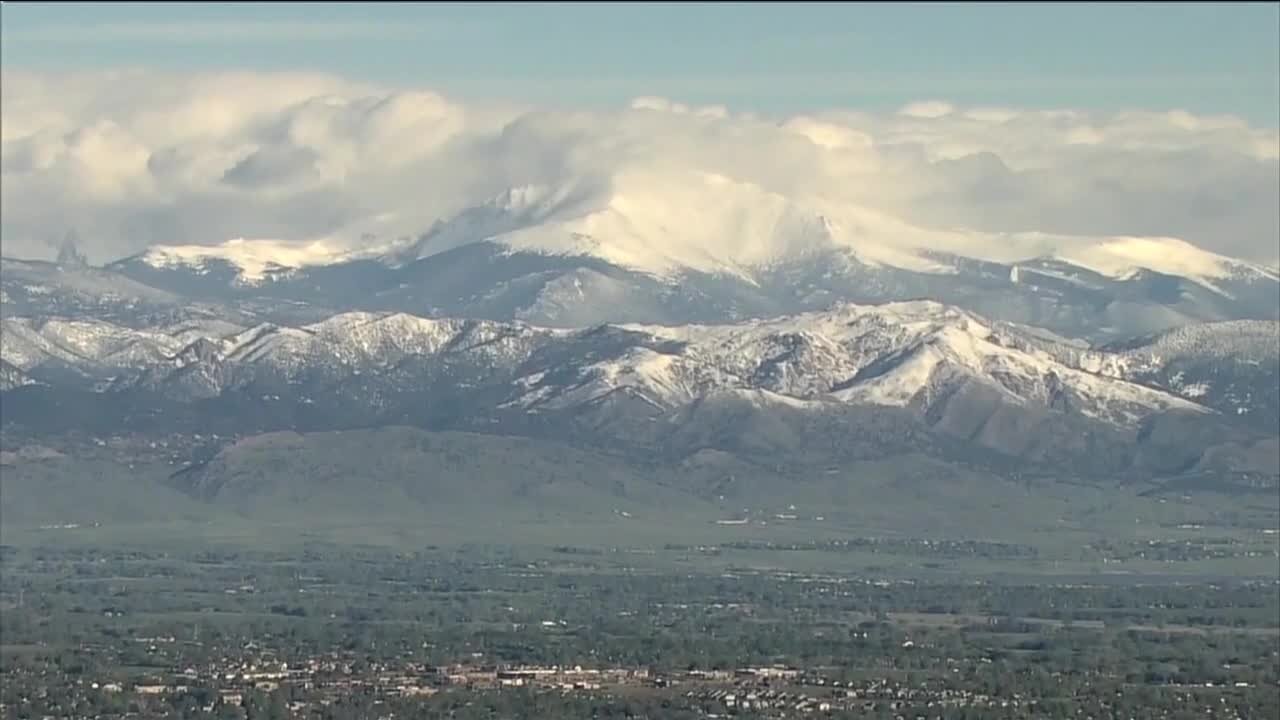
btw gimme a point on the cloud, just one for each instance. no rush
(133, 158)
(928, 110)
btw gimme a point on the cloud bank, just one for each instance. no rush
(132, 159)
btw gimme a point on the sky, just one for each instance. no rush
(339, 125)
(769, 58)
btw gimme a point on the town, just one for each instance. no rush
(323, 685)
(543, 633)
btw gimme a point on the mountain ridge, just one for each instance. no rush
(671, 246)
(955, 374)
(665, 222)
(652, 313)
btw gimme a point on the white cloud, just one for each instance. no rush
(929, 109)
(135, 158)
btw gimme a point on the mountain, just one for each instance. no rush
(943, 377)
(47, 289)
(11, 376)
(237, 263)
(406, 471)
(487, 279)
(716, 338)
(668, 247)
(1227, 366)
(898, 354)
(670, 223)
(410, 487)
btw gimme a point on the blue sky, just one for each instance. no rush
(773, 59)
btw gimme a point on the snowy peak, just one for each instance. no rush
(250, 262)
(658, 224)
(1121, 257)
(925, 370)
(860, 374)
(914, 355)
(901, 354)
(666, 221)
(904, 354)
(657, 244)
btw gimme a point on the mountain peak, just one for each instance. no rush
(252, 260)
(654, 222)
(666, 221)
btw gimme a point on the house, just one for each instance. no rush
(416, 691)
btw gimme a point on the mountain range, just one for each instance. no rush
(708, 326)
(674, 249)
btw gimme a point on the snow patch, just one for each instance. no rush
(897, 354)
(253, 259)
(1121, 257)
(665, 222)
(1194, 390)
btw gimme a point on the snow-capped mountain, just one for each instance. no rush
(1231, 366)
(660, 226)
(81, 348)
(988, 385)
(47, 289)
(648, 301)
(721, 253)
(910, 354)
(668, 246)
(670, 223)
(245, 262)
(491, 281)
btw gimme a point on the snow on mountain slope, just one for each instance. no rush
(30, 343)
(1233, 366)
(655, 224)
(12, 376)
(42, 288)
(800, 355)
(24, 347)
(903, 353)
(253, 261)
(661, 379)
(900, 354)
(663, 244)
(666, 222)
(921, 371)
(1122, 256)
(1243, 341)
(347, 345)
(188, 330)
